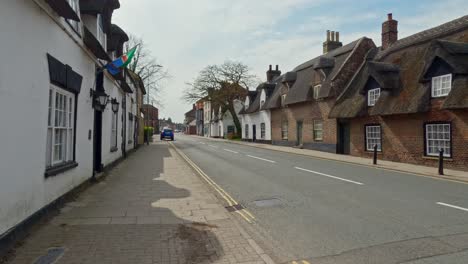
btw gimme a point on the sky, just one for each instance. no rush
(187, 35)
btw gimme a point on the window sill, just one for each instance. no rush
(114, 149)
(372, 151)
(437, 158)
(57, 169)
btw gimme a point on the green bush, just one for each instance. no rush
(149, 131)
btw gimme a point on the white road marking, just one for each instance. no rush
(271, 161)
(453, 206)
(212, 146)
(202, 143)
(232, 151)
(330, 176)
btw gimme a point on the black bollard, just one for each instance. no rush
(375, 154)
(441, 162)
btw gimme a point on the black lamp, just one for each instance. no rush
(115, 105)
(100, 99)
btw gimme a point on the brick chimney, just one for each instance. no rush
(332, 42)
(272, 74)
(389, 32)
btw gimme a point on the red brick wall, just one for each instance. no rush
(307, 113)
(403, 137)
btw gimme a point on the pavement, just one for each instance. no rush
(449, 174)
(151, 208)
(314, 210)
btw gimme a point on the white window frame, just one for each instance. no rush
(114, 132)
(283, 100)
(441, 85)
(318, 130)
(373, 96)
(60, 127)
(317, 91)
(437, 136)
(262, 130)
(373, 137)
(262, 103)
(284, 129)
(76, 25)
(100, 35)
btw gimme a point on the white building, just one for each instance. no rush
(55, 136)
(207, 117)
(256, 118)
(223, 123)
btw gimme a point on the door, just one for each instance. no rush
(299, 126)
(97, 146)
(344, 138)
(254, 133)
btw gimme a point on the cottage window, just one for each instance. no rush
(318, 130)
(262, 103)
(60, 127)
(284, 130)
(372, 96)
(101, 36)
(283, 100)
(246, 131)
(76, 7)
(373, 137)
(262, 130)
(317, 91)
(114, 131)
(441, 85)
(438, 136)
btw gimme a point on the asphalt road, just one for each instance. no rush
(325, 211)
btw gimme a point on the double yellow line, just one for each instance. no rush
(244, 213)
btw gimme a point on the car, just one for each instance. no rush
(167, 133)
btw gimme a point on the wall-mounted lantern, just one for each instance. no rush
(115, 105)
(100, 99)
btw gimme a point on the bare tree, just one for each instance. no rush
(222, 85)
(146, 66)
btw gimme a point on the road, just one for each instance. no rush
(323, 211)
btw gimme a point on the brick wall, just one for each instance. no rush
(403, 137)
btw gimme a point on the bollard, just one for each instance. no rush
(441, 162)
(375, 154)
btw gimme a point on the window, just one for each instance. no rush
(230, 129)
(75, 24)
(284, 130)
(262, 130)
(441, 85)
(318, 130)
(372, 96)
(316, 91)
(373, 137)
(114, 131)
(60, 127)
(101, 36)
(283, 100)
(130, 128)
(262, 103)
(246, 131)
(438, 136)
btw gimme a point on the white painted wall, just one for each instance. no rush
(28, 34)
(257, 118)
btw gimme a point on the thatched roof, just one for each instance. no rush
(401, 71)
(255, 105)
(116, 38)
(252, 95)
(331, 63)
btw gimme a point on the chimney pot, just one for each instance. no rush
(389, 31)
(389, 16)
(337, 36)
(328, 35)
(333, 35)
(270, 67)
(277, 67)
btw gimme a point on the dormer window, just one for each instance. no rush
(441, 85)
(262, 103)
(283, 100)
(317, 91)
(100, 35)
(74, 4)
(372, 96)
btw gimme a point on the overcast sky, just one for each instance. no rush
(187, 35)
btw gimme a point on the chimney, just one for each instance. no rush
(272, 74)
(389, 31)
(332, 42)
